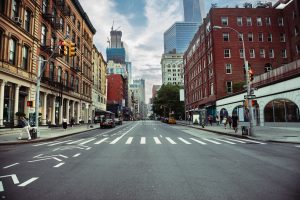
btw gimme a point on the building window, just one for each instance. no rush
(15, 5)
(241, 53)
(297, 49)
(228, 69)
(77, 85)
(43, 35)
(27, 20)
(270, 37)
(72, 81)
(262, 53)
(268, 21)
(283, 53)
(229, 86)
(59, 75)
(62, 24)
(2, 6)
(68, 30)
(239, 21)
(250, 37)
(227, 53)
(78, 25)
(249, 21)
(241, 37)
(224, 21)
(268, 67)
(282, 37)
(51, 71)
(66, 79)
(45, 6)
(25, 56)
(73, 36)
(259, 21)
(226, 37)
(271, 53)
(252, 53)
(211, 88)
(260, 37)
(42, 64)
(52, 44)
(280, 21)
(12, 51)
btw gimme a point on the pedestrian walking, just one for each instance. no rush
(24, 123)
(89, 122)
(225, 122)
(235, 121)
(65, 124)
(218, 120)
(229, 120)
(72, 121)
(210, 119)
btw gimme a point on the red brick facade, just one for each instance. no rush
(115, 89)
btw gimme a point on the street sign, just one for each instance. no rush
(249, 96)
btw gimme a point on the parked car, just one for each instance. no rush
(107, 123)
(118, 121)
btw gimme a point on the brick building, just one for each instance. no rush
(30, 32)
(214, 59)
(116, 85)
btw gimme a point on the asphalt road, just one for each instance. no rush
(149, 160)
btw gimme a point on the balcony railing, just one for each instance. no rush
(281, 73)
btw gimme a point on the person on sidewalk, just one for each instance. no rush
(72, 122)
(229, 120)
(225, 122)
(24, 123)
(65, 124)
(89, 122)
(235, 121)
(210, 119)
(218, 120)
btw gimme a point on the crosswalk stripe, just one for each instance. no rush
(157, 141)
(198, 141)
(75, 141)
(100, 141)
(224, 141)
(43, 144)
(235, 140)
(253, 141)
(129, 140)
(82, 143)
(115, 140)
(184, 141)
(211, 141)
(297, 145)
(170, 140)
(143, 140)
(50, 145)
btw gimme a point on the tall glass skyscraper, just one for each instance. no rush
(193, 10)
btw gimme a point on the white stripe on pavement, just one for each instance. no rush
(170, 140)
(235, 140)
(82, 143)
(184, 141)
(198, 141)
(10, 165)
(75, 141)
(297, 145)
(43, 143)
(157, 141)
(59, 143)
(28, 182)
(129, 140)
(211, 141)
(76, 155)
(1, 187)
(143, 140)
(99, 142)
(116, 140)
(58, 165)
(224, 141)
(253, 141)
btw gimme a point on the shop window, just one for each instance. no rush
(281, 110)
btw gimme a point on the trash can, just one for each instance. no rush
(33, 133)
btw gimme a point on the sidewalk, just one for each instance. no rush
(10, 136)
(262, 133)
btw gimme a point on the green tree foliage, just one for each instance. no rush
(167, 100)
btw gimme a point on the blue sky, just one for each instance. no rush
(142, 23)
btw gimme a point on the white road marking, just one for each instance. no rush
(236, 140)
(297, 145)
(129, 140)
(1, 187)
(63, 156)
(76, 155)
(58, 165)
(170, 140)
(157, 141)
(198, 141)
(143, 140)
(14, 178)
(82, 143)
(99, 142)
(50, 145)
(224, 141)
(211, 141)
(253, 141)
(38, 155)
(115, 140)
(43, 144)
(184, 141)
(40, 160)
(10, 165)
(75, 141)
(160, 136)
(88, 148)
(28, 182)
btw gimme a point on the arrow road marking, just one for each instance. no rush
(14, 178)
(28, 182)
(10, 165)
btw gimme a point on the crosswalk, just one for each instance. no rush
(151, 140)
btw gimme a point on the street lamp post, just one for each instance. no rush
(247, 76)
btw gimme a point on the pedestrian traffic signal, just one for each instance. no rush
(251, 75)
(64, 45)
(29, 103)
(254, 103)
(72, 49)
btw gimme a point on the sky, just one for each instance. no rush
(143, 23)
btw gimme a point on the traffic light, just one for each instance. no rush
(251, 75)
(64, 45)
(72, 49)
(254, 103)
(29, 103)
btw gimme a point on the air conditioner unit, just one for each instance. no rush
(18, 20)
